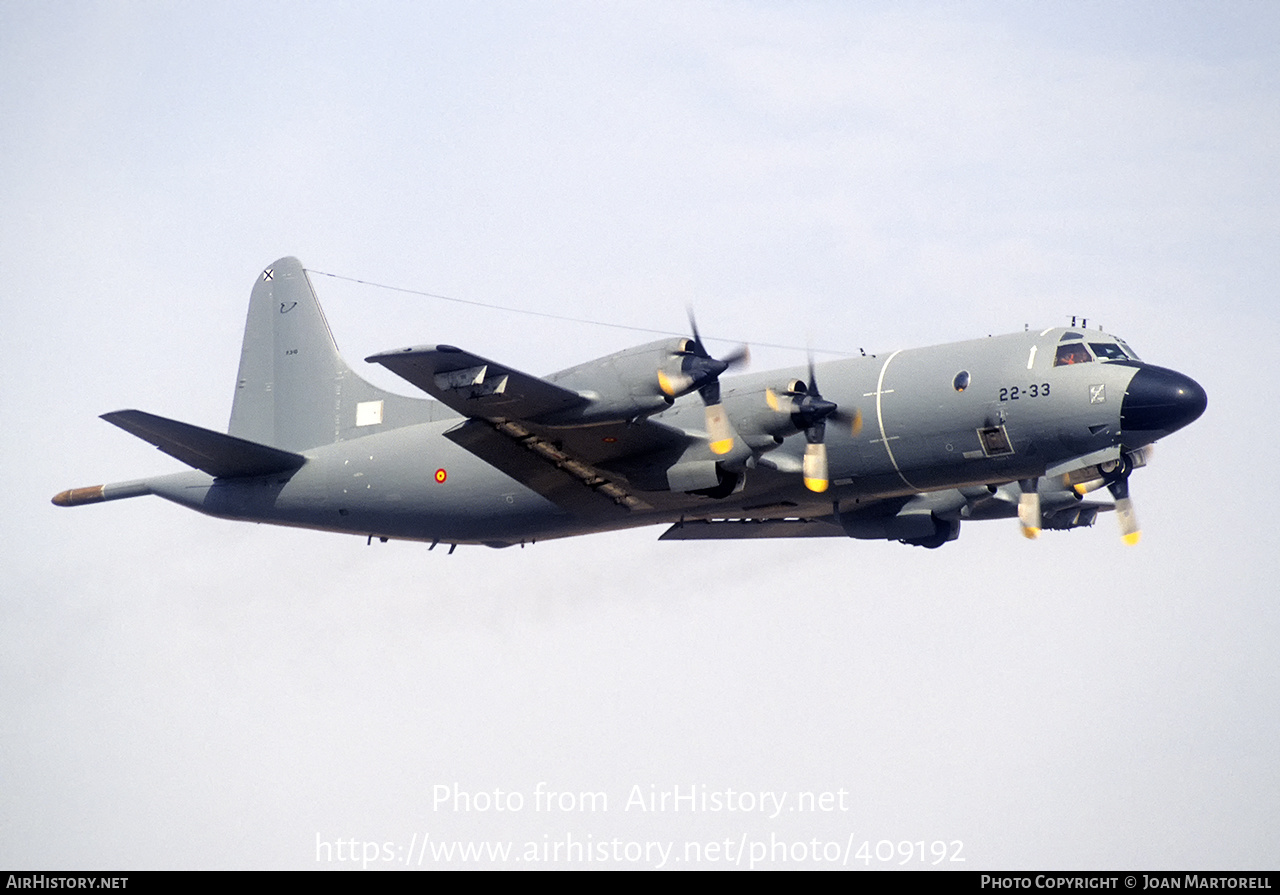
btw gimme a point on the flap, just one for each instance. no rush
(542, 467)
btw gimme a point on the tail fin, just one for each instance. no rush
(294, 391)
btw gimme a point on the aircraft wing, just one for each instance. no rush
(475, 386)
(574, 466)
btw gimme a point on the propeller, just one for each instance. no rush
(1115, 476)
(691, 368)
(809, 413)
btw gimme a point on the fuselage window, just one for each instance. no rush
(961, 382)
(1074, 353)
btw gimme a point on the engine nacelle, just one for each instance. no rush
(619, 387)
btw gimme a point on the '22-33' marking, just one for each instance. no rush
(1015, 392)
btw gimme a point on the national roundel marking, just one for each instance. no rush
(441, 475)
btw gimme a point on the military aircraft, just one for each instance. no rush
(903, 446)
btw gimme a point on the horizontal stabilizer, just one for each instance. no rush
(221, 456)
(476, 387)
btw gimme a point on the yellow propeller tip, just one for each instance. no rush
(818, 485)
(664, 383)
(1132, 537)
(1030, 533)
(722, 447)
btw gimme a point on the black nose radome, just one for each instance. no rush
(1161, 400)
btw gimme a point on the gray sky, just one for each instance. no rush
(179, 691)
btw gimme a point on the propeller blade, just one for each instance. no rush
(1029, 510)
(719, 431)
(853, 419)
(815, 466)
(710, 392)
(771, 398)
(786, 400)
(1116, 477)
(1083, 488)
(1130, 533)
(673, 384)
(740, 356)
(693, 328)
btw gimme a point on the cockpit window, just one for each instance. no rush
(1066, 336)
(1075, 353)
(1127, 350)
(1108, 351)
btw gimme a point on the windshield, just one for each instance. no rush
(1108, 351)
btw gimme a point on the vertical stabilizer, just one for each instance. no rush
(293, 390)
